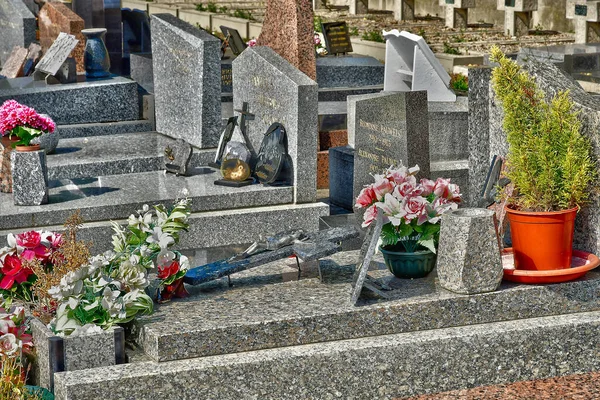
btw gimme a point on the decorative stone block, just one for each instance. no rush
(17, 27)
(55, 18)
(469, 260)
(73, 353)
(30, 178)
(13, 67)
(288, 30)
(186, 66)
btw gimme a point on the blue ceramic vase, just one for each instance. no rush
(96, 61)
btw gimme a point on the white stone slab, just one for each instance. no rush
(410, 65)
(57, 53)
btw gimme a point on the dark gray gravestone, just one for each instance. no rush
(388, 129)
(17, 27)
(136, 31)
(177, 157)
(187, 82)
(337, 37)
(276, 91)
(57, 54)
(366, 254)
(236, 43)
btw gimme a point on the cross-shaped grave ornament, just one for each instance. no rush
(246, 116)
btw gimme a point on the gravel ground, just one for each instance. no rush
(571, 387)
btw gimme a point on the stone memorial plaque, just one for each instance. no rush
(449, 1)
(509, 3)
(388, 129)
(366, 254)
(337, 37)
(57, 54)
(13, 67)
(177, 157)
(235, 41)
(187, 83)
(226, 76)
(276, 91)
(581, 10)
(272, 154)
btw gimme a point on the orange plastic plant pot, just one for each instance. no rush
(542, 240)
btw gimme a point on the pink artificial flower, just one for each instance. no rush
(381, 187)
(317, 40)
(428, 186)
(414, 207)
(370, 215)
(13, 115)
(52, 239)
(29, 240)
(398, 175)
(441, 187)
(365, 198)
(251, 43)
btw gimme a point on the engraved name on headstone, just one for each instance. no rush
(337, 37)
(57, 54)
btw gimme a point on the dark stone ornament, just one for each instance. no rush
(272, 157)
(96, 60)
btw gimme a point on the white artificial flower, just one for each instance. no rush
(9, 344)
(184, 263)
(161, 238)
(87, 329)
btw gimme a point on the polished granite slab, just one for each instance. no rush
(268, 307)
(115, 154)
(115, 197)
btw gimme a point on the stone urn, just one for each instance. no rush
(96, 60)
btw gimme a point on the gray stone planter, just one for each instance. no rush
(469, 259)
(72, 353)
(30, 177)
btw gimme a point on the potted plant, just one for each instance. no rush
(412, 214)
(20, 124)
(548, 163)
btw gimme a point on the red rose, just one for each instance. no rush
(29, 239)
(165, 271)
(13, 270)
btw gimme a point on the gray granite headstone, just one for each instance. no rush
(276, 91)
(17, 27)
(57, 54)
(187, 81)
(177, 157)
(30, 178)
(469, 260)
(388, 129)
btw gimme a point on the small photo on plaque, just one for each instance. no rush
(337, 37)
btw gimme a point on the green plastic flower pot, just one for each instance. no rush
(409, 265)
(40, 392)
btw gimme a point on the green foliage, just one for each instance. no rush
(211, 7)
(411, 236)
(373, 36)
(243, 14)
(317, 21)
(450, 50)
(200, 7)
(459, 82)
(223, 10)
(549, 159)
(353, 31)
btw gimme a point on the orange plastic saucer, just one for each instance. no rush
(581, 263)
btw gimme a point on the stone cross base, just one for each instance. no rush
(586, 32)
(517, 23)
(358, 7)
(404, 10)
(457, 17)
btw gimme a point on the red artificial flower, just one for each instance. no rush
(13, 271)
(165, 271)
(29, 240)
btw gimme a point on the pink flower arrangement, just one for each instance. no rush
(411, 209)
(15, 278)
(14, 339)
(251, 43)
(24, 122)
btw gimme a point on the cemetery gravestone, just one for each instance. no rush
(13, 67)
(187, 84)
(17, 27)
(586, 16)
(388, 129)
(57, 18)
(404, 10)
(337, 37)
(411, 65)
(517, 15)
(57, 54)
(288, 29)
(277, 92)
(457, 12)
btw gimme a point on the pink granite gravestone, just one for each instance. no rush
(288, 29)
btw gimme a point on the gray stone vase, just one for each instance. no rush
(469, 259)
(30, 177)
(96, 60)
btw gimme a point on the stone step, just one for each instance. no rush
(104, 128)
(378, 367)
(95, 156)
(103, 100)
(220, 320)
